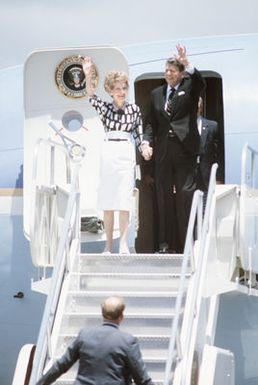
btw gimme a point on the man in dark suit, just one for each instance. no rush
(208, 130)
(106, 354)
(172, 128)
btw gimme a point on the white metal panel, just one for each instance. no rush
(217, 367)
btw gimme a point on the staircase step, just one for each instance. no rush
(152, 346)
(136, 302)
(149, 284)
(151, 359)
(125, 281)
(156, 371)
(146, 263)
(95, 317)
(71, 382)
(150, 324)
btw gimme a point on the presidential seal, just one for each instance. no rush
(70, 78)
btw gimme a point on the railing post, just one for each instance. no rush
(253, 169)
(49, 345)
(52, 165)
(179, 346)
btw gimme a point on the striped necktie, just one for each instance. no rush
(170, 101)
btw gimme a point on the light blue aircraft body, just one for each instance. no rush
(229, 65)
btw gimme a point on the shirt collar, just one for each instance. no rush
(110, 323)
(169, 89)
(199, 124)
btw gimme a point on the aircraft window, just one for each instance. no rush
(72, 121)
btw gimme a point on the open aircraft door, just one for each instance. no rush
(54, 93)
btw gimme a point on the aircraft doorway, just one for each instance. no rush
(147, 241)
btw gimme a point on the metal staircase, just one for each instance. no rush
(160, 310)
(172, 301)
(154, 286)
(149, 285)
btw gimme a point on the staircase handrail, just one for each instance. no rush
(70, 238)
(73, 154)
(53, 146)
(198, 278)
(174, 349)
(24, 365)
(176, 352)
(69, 241)
(48, 185)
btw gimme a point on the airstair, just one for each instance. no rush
(149, 283)
(171, 300)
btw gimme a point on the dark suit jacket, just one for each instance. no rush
(209, 148)
(182, 119)
(107, 356)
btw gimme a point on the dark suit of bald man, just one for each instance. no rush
(107, 356)
(176, 144)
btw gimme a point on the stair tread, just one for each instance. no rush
(94, 272)
(146, 358)
(139, 336)
(162, 275)
(135, 255)
(124, 293)
(128, 315)
(156, 381)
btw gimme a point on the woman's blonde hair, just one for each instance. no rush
(113, 77)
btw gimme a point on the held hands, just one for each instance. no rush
(146, 151)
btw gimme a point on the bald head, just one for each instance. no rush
(112, 309)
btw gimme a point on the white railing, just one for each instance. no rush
(69, 246)
(51, 181)
(248, 220)
(66, 240)
(23, 365)
(43, 213)
(179, 347)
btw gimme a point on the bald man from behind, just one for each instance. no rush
(106, 354)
